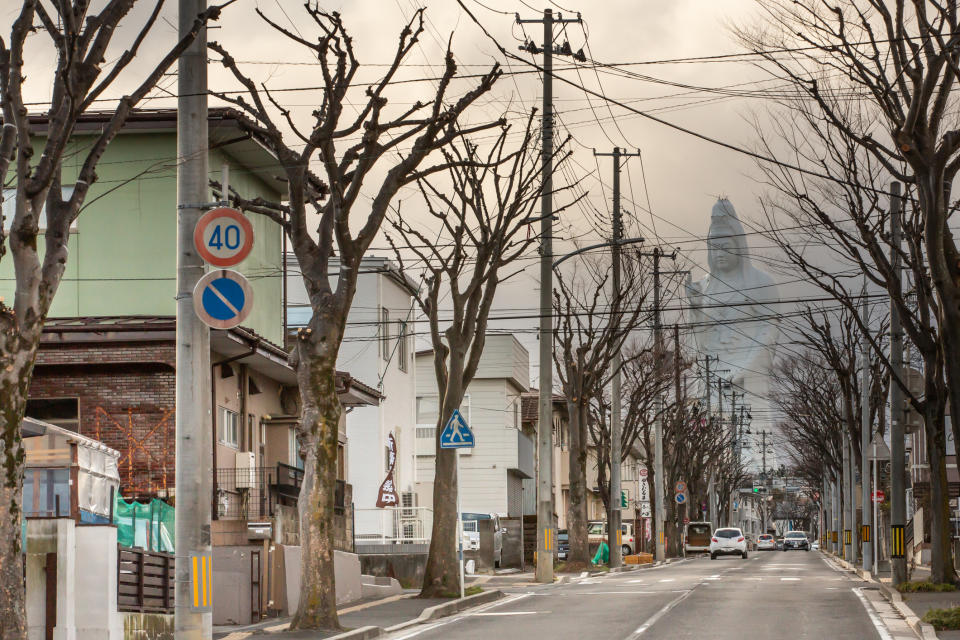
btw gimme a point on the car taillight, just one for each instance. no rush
(740, 539)
(714, 540)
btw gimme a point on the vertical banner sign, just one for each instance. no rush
(646, 528)
(387, 496)
(896, 541)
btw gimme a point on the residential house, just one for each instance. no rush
(378, 349)
(106, 367)
(492, 474)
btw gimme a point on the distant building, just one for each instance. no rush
(378, 349)
(494, 472)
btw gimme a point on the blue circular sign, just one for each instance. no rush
(223, 299)
(680, 498)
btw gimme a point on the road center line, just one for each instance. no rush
(659, 614)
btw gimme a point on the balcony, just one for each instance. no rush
(254, 493)
(526, 465)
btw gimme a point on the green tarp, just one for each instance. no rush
(149, 526)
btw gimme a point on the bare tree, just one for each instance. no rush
(348, 149)
(875, 81)
(81, 39)
(484, 212)
(593, 325)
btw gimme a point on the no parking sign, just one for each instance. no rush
(223, 299)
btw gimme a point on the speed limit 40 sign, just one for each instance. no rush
(223, 237)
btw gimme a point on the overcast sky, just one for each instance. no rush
(668, 195)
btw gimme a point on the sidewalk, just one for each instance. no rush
(362, 620)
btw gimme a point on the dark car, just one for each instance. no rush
(796, 540)
(563, 544)
(779, 544)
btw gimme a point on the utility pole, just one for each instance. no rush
(614, 515)
(711, 498)
(193, 618)
(545, 507)
(658, 485)
(847, 497)
(866, 436)
(734, 492)
(898, 501)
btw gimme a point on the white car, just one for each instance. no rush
(766, 542)
(728, 541)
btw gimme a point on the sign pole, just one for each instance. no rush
(459, 525)
(876, 557)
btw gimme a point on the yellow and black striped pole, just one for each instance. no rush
(201, 582)
(897, 541)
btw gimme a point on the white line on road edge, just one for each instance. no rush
(461, 616)
(874, 618)
(659, 614)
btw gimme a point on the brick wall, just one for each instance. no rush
(126, 399)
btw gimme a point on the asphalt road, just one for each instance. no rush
(772, 594)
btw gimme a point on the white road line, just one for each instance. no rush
(459, 617)
(633, 581)
(789, 579)
(668, 580)
(659, 614)
(878, 625)
(510, 613)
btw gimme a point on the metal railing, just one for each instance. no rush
(393, 525)
(245, 493)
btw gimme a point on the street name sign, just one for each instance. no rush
(457, 435)
(644, 490)
(223, 237)
(223, 299)
(645, 510)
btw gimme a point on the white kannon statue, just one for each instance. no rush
(723, 303)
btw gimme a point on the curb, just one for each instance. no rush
(921, 628)
(445, 609)
(362, 633)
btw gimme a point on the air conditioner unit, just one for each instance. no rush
(408, 531)
(246, 470)
(408, 504)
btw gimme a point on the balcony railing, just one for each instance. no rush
(254, 493)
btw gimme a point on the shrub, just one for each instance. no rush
(926, 587)
(943, 619)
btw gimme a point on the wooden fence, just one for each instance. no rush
(145, 581)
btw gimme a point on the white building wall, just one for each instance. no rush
(493, 413)
(362, 356)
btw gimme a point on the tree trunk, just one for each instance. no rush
(316, 376)
(17, 353)
(579, 556)
(441, 578)
(941, 555)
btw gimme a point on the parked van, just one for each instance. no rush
(471, 533)
(698, 537)
(597, 533)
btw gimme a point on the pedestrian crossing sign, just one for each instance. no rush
(456, 435)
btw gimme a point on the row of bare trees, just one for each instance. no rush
(868, 98)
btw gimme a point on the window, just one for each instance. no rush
(62, 412)
(10, 208)
(403, 354)
(428, 410)
(385, 332)
(228, 431)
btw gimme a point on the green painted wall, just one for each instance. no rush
(123, 251)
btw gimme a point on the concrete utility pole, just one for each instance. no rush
(193, 618)
(614, 515)
(852, 492)
(847, 497)
(658, 484)
(866, 436)
(898, 500)
(545, 508)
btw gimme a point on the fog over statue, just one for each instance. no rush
(723, 303)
